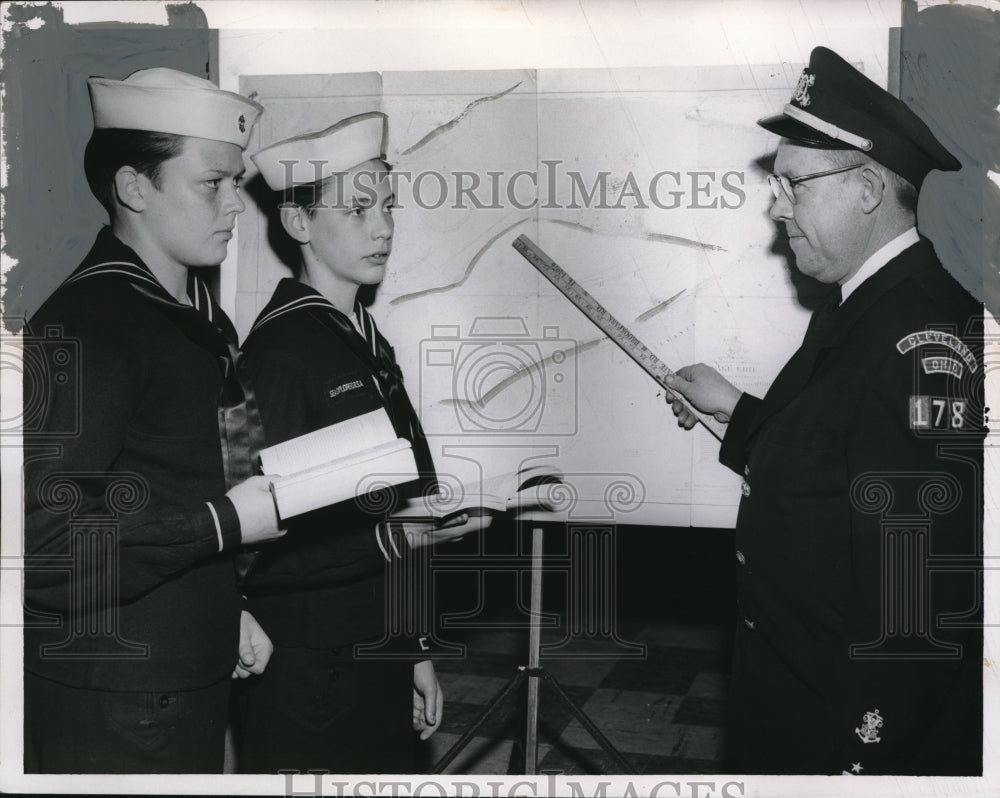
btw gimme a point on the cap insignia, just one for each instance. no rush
(801, 93)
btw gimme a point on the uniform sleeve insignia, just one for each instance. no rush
(871, 722)
(938, 338)
(942, 365)
(353, 385)
(936, 413)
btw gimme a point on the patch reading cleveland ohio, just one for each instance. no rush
(942, 365)
(922, 338)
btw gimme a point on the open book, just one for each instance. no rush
(532, 488)
(339, 462)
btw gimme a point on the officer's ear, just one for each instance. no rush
(295, 221)
(873, 188)
(129, 188)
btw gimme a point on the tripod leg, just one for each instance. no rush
(534, 648)
(463, 741)
(588, 724)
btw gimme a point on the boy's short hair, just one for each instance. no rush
(310, 196)
(109, 149)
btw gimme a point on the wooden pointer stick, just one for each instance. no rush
(609, 325)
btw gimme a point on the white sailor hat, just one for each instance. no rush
(165, 100)
(311, 157)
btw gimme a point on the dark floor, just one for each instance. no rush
(646, 660)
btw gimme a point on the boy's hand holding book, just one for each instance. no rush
(453, 528)
(452, 514)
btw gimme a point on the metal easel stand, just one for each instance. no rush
(533, 673)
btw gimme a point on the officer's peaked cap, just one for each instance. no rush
(834, 106)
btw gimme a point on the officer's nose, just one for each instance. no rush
(781, 208)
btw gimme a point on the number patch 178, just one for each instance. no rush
(936, 412)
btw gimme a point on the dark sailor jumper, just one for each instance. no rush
(322, 588)
(155, 425)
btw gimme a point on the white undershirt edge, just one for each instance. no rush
(878, 259)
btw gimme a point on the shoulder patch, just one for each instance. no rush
(936, 337)
(942, 365)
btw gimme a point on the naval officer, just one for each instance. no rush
(858, 648)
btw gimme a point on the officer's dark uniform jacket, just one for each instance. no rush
(136, 433)
(323, 585)
(853, 653)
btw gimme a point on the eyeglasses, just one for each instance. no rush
(783, 185)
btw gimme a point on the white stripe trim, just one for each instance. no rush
(110, 263)
(204, 298)
(378, 539)
(392, 543)
(356, 324)
(218, 526)
(196, 299)
(296, 304)
(369, 324)
(101, 268)
(830, 130)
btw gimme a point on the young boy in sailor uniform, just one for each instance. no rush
(139, 484)
(317, 358)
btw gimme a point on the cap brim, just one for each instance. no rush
(796, 131)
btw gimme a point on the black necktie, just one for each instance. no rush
(379, 354)
(241, 433)
(796, 373)
(823, 319)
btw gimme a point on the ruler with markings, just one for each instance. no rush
(608, 324)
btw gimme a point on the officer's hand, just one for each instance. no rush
(454, 529)
(255, 508)
(706, 389)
